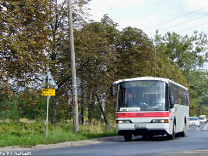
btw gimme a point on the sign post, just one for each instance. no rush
(46, 91)
(47, 116)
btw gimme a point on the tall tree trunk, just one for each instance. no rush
(103, 112)
(82, 104)
(91, 107)
(91, 112)
(82, 116)
(53, 112)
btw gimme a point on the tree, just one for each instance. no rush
(22, 40)
(136, 54)
(198, 84)
(185, 51)
(95, 56)
(164, 65)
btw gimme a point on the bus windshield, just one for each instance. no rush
(142, 95)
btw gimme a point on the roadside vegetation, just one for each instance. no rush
(30, 134)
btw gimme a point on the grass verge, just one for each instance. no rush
(30, 134)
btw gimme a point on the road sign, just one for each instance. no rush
(79, 89)
(48, 92)
(48, 80)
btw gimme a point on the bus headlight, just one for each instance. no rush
(160, 121)
(123, 121)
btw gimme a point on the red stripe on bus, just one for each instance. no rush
(141, 114)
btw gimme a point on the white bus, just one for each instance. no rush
(138, 113)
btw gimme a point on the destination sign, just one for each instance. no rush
(141, 84)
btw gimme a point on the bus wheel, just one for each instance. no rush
(128, 137)
(172, 136)
(183, 134)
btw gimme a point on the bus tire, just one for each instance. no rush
(172, 136)
(128, 137)
(183, 134)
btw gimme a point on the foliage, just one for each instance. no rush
(184, 51)
(136, 52)
(198, 89)
(9, 109)
(95, 57)
(32, 104)
(22, 39)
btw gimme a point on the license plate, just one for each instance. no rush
(138, 126)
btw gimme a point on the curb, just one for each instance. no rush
(63, 144)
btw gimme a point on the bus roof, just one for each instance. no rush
(148, 78)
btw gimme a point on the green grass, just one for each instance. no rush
(30, 134)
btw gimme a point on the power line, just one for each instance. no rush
(176, 18)
(180, 23)
(193, 27)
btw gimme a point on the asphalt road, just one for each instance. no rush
(194, 144)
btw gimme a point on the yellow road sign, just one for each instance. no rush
(48, 92)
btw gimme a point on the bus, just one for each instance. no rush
(137, 112)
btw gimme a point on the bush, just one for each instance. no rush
(9, 109)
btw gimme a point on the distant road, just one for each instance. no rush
(194, 144)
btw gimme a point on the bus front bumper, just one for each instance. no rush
(143, 129)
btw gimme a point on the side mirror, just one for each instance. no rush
(112, 88)
(172, 102)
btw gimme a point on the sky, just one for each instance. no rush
(180, 16)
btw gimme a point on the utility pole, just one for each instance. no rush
(73, 71)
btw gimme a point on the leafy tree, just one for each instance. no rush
(95, 58)
(136, 54)
(198, 84)
(164, 66)
(185, 51)
(22, 40)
